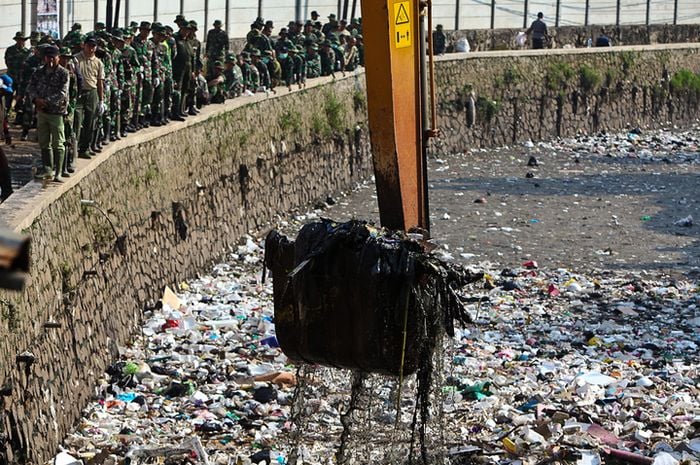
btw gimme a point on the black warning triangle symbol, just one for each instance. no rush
(402, 15)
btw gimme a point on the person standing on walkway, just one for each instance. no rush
(90, 100)
(15, 56)
(48, 90)
(538, 29)
(216, 46)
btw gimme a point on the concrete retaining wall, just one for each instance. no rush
(180, 196)
(539, 95)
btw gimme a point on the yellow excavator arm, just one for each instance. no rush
(395, 70)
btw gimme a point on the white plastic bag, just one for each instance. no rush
(462, 45)
(521, 39)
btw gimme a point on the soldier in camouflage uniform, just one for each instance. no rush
(75, 35)
(234, 77)
(15, 57)
(313, 61)
(31, 64)
(118, 81)
(168, 91)
(327, 59)
(131, 65)
(282, 42)
(216, 83)
(68, 62)
(274, 68)
(182, 71)
(161, 54)
(217, 45)
(196, 50)
(299, 66)
(144, 49)
(263, 74)
(251, 78)
(103, 123)
(48, 89)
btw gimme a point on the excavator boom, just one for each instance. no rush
(393, 70)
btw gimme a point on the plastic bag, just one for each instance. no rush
(521, 39)
(462, 45)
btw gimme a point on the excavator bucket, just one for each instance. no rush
(352, 296)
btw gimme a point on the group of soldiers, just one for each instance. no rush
(154, 73)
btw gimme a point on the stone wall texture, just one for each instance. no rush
(493, 99)
(183, 197)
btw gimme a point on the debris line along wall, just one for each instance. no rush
(177, 203)
(502, 98)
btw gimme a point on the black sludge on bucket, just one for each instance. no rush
(349, 295)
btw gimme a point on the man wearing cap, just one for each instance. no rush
(161, 69)
(251, 77)
(439, 40)
(48, 90)
(255, 31)
(90, 103)
(330, 26)
(216, 83)
(75, 34)
(196, 50)
(144, 90)
(182, 71)
(313, 61)
(234, 76)
(263, 73)
(217, 45)
(315, 20)
(15, 55)
(273, 68)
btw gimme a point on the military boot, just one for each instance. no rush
(106, 137)
(45, 171)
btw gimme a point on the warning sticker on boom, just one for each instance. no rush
(402, 24)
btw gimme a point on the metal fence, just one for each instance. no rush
(56, 16)
(494, 14)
